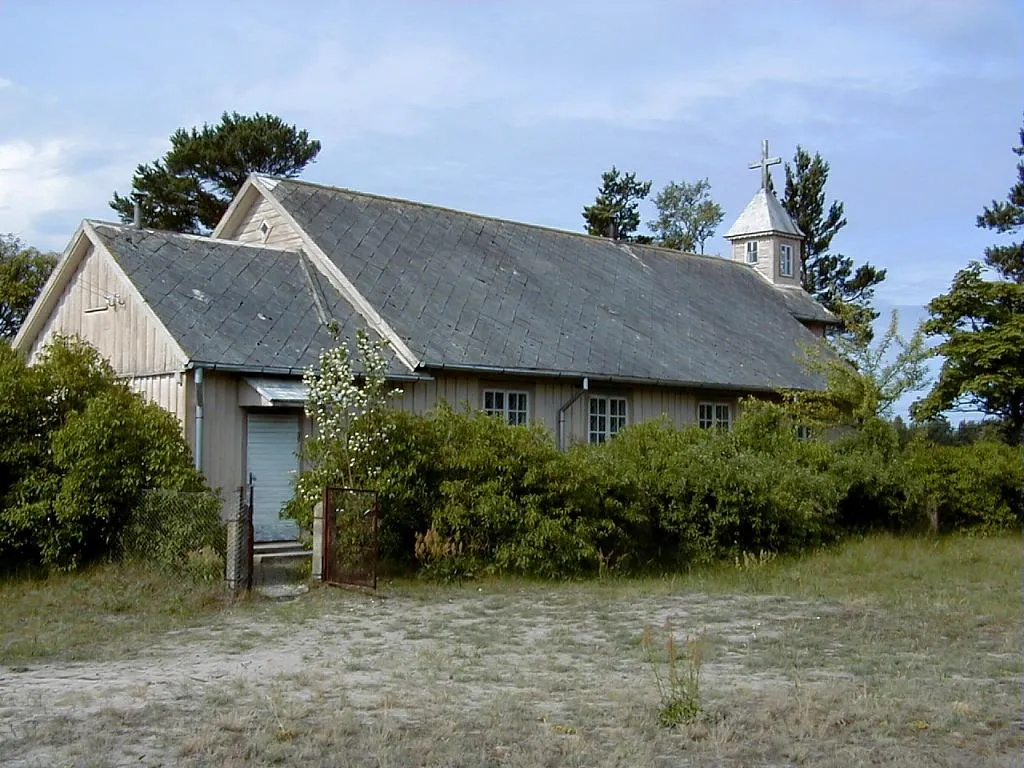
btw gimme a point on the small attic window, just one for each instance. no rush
(265, 230)
(752, 252)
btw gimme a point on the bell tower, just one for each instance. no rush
(764, 236)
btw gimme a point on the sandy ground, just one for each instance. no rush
(474, 678)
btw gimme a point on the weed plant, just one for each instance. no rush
(679, 681)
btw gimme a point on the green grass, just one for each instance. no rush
(948, 571)
(103, 610)
(981, 573)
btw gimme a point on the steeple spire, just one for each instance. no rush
(765, 236)
(763, 164)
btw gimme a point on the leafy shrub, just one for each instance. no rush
(462, 493)
(975, 486)
(869, 468)
(488, 499)
(77, 450)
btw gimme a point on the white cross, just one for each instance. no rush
(763, 164)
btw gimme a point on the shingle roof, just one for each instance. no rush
(229, 304)
(467, 291)
(764, 213)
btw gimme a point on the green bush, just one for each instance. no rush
(503, 499)
(77, 450)
(870, 470)
(976, 486)
(464, 494)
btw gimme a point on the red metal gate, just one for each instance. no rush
(351, 521)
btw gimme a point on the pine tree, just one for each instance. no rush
(190, 188)
(616, 209)
(828, 276)
(981, 322)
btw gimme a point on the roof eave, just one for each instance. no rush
(283, 370)
(605, 378)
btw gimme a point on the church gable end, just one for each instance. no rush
(254, 219)
(98, 303)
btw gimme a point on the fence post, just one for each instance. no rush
(237, 572)
(318, 541)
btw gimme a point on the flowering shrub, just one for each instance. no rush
(352, 423)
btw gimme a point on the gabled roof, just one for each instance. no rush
(229, 305)
(764, 213)
(470, 292)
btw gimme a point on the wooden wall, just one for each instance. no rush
(99, 305)
(547, 396)
(281, 235)
(169, 391)
(223, 431)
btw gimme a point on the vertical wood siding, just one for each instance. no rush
(167, 390)
(125, 333)
(422, 396)
(223, 432)
(248, 229)
(548, 396)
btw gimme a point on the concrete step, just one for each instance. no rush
(281, 565)
(268, 547)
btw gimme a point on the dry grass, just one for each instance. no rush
(104, 610)
(882, 652)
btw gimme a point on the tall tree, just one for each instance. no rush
(981, 322)
(23, 270)
(687, 216)
(189, 188)
(616, 209)
(828, 276)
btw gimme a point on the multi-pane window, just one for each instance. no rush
(803, 432)
(714, 415)
(607, 417)
(510, 405)
(752, 252)
(785, 260)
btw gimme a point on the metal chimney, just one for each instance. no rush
(136, 214)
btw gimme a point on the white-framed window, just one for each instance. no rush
(511, 405)
(752, 252)
(607, 417)
(785, 260)
(803, 432)
(714, 415)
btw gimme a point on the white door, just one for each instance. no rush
(272, 462)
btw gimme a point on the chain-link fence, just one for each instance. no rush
(196, 534)
(240, 541)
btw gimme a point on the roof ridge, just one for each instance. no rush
(121, 226)
(544, 228)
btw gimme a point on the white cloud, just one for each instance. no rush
(393, 91)
(5, 83)
(757, 79)
(39, 180)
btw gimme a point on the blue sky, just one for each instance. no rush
(514, 109)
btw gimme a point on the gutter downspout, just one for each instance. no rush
(561, 415)
(198, 452)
